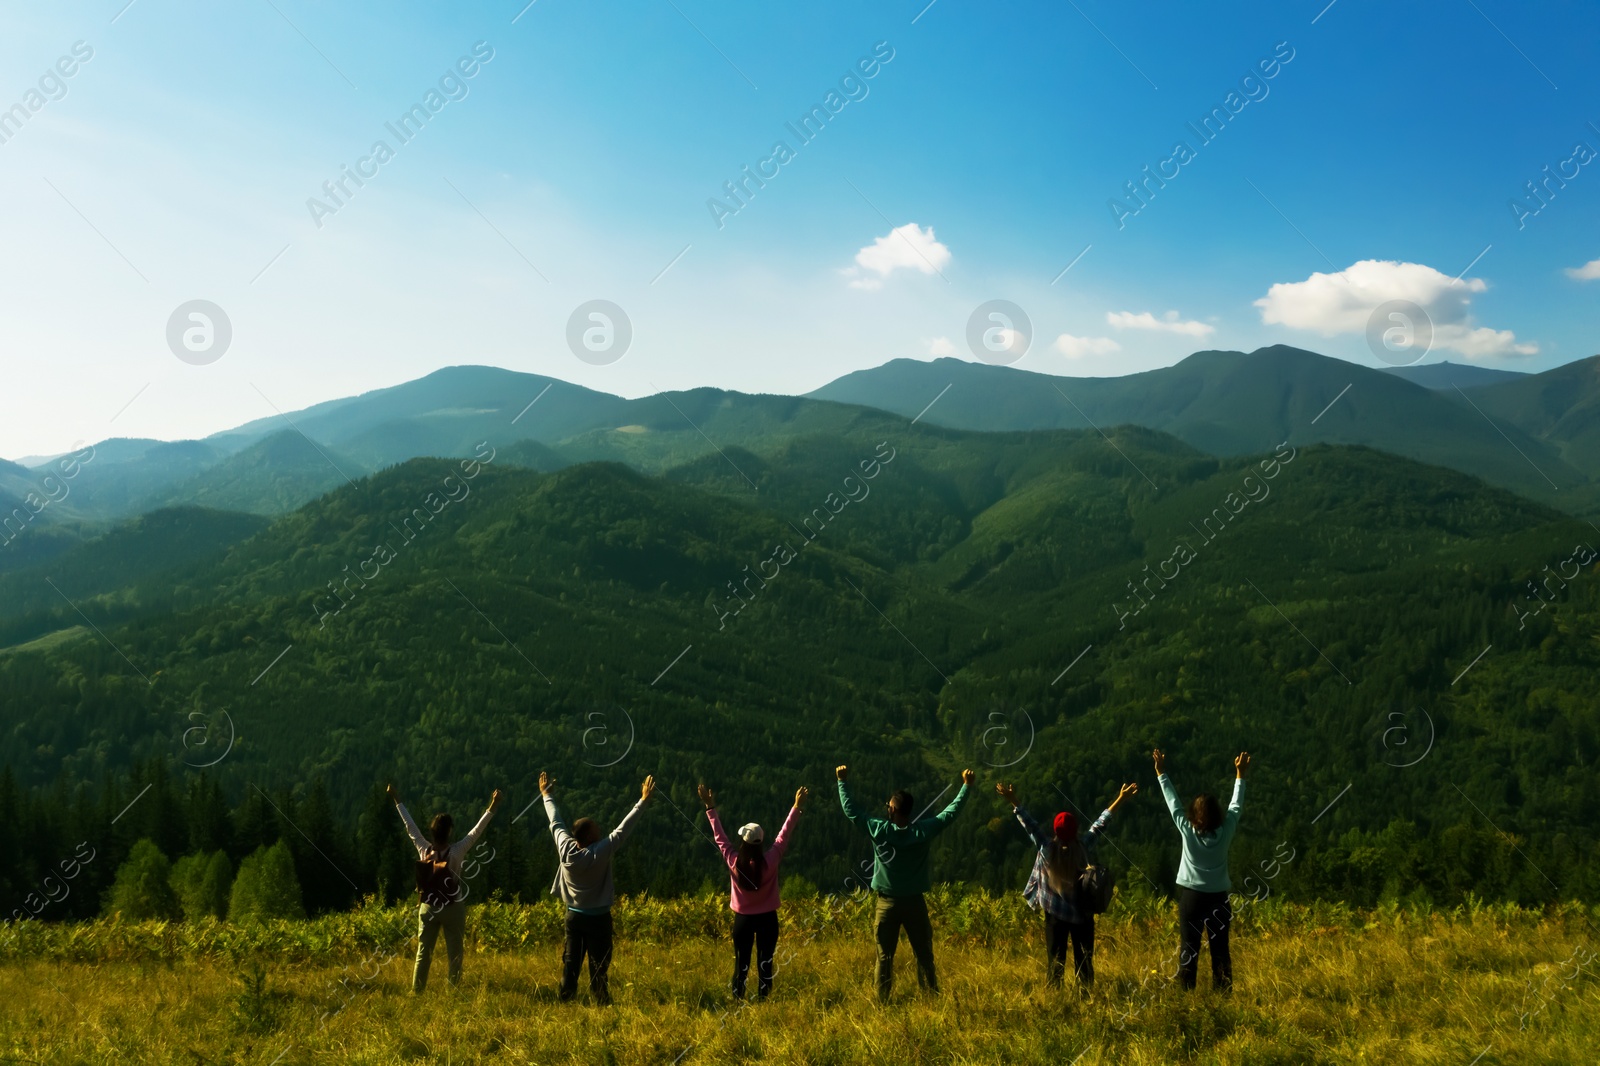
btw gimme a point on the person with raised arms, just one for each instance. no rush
(753, 871)
(1203, 883)
(583, 882)
(900, 876)
(442, 894)
(1054, 888)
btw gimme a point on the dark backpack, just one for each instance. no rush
(1094, 888)
(436, 885)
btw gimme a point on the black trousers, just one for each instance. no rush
(1056, 935)
(1207, 913)
(587, 934)
(761, 931)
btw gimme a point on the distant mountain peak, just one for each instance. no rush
(1446, 374)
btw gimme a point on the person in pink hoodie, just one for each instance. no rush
(753, 873)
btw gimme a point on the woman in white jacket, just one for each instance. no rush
(444, 903)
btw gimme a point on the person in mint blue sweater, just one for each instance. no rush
(1203, 882)
(900, 876)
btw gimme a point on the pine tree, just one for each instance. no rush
(158, 813)
(321, 856)
(15, 876)
(143, 887)
(255, 823)
(266, 887)
(384, 853)
(203, 883)
(209, 826)
(187, 874)
(217, 885)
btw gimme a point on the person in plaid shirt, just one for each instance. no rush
(1053, 885)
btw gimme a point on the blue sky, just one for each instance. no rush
(974, 165)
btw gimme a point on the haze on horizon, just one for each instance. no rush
(195, 154)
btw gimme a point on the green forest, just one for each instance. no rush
(1409, 654)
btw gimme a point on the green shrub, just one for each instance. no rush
(143, 889)
(796, 887)
(203, 883)
(266, 887)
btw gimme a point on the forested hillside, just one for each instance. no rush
(1043, 607)
(1237, 403)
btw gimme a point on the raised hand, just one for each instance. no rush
(1127, 790)
(801, 794)
(968, 777)
(1160, 758)
(393, 793)
(647, 789)
(546, 783)
(841, 772)
(1241, 763)
(708, 798)
(1007, 792)
(494, 800)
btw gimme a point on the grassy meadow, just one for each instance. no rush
(1314, 984)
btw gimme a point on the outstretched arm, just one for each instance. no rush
(1094, 831)
(624, 827)
(1241, 763)
(781, 844)
(470, 841)
(948, 815)
(724, 845)
(420, 841)
(1168, 792)
(558, 828)
(847, 802)
(1008, 792)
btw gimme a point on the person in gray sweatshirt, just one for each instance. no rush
(583, 884)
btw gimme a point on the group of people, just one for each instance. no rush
(1067, 883)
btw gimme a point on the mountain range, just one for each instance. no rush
(1537, 434)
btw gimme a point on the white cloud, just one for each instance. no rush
(1480, 342)
(1167, 323)
(1590, 271)
(940, 346)
(1078, 347)
(1342, 302)
(907, 246)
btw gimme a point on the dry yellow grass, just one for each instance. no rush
(1450, 990)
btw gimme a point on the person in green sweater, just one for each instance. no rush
(1203, 882)
(900, 876)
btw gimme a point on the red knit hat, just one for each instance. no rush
(1066, 827)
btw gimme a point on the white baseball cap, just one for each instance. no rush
(751, 833)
